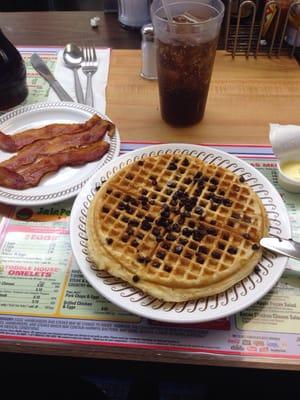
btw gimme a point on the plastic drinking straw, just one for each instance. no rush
(167, 10)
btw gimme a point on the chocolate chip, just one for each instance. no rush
(171, 184)
(155, 231)
(187, 181)
(153, 180)
(166, 245)
(221, 193)
(161, 254)
(214, 181)
(109, 191)
(185, 162)
(183, 241)
(242, 179)
(191, 224)
(145, 225)
(257, 269)
(140, 162)
(141, 259)
(171, 237)
(193, 246)
(109, 240)
(198, 175)
(172, 166)
(246, 236)
(212, 231)
(175, 228)
(221, 246)
(121, 206)
(133, 222)
(105, 209)
(187, 232)
(255, 246)
(125, 219)
(146, 206)
(198, 234)
(178, 249)
(213, 222)
(135, 278)
(167, 268)
(198, 210)
(200, 259)
(165, 213)
(144, 192)
(216, 255)
(129, 176)
(203, 249)
(217, 199)
(232, 250)
(227, 202)
(212, 188)
(134, 243)
(125, 238)
(116, 214)
(149, 218)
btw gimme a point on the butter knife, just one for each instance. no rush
(40, 66)
(286, 247)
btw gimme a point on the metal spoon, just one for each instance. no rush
(72, 56)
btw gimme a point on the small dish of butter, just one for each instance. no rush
(285, 141)
(289, 175)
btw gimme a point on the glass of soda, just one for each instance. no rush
(186, 34)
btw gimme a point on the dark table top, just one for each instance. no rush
(59, 28)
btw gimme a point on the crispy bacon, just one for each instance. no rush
(31, 175)
(30, 153)
(13, 143)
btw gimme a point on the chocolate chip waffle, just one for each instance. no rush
(176, 227)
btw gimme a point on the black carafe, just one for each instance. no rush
(13, 86)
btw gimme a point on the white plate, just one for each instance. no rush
(240, 296)
(68, 181)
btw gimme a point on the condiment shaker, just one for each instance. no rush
(149, 70)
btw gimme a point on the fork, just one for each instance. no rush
(89, 67)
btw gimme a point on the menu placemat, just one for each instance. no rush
(44, 296)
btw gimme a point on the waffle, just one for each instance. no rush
(176, 227)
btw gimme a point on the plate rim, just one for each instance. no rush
(15, 197)
(90, 275)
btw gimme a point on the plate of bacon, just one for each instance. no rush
(48, 151)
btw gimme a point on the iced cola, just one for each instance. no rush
(186, 49)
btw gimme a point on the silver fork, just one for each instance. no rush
(89, 67)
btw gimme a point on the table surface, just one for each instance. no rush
(245, 96)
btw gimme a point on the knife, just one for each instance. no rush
(286, 247)
(40, 66)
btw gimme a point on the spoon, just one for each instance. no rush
(72, 56)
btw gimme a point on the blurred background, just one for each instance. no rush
(56, 5)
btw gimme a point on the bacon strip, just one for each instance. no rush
(30, 153)
(13, 143)
(31, 175)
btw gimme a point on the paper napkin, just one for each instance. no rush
(65, 77)
(285, 140)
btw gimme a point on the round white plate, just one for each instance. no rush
(68, 181)
(237, 298)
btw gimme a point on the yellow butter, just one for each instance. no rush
(291, 169)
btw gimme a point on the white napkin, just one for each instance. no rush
(285, 140)
(65, 77)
